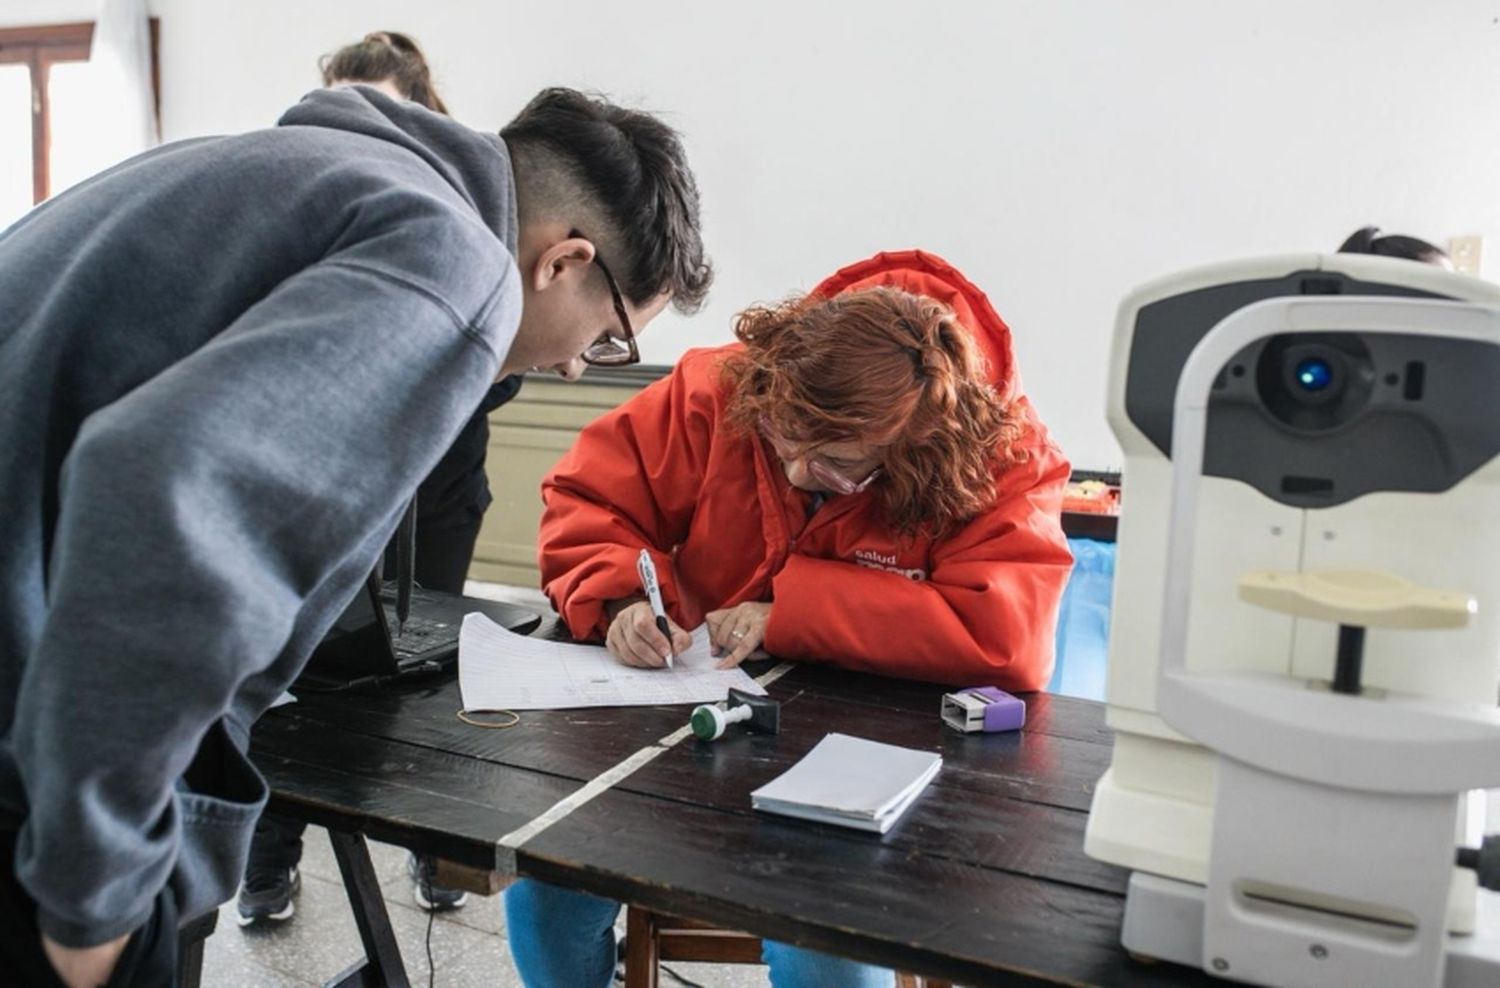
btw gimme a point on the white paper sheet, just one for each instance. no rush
(500, 670)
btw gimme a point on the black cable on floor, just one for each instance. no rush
(431, 971)
(620, 968)
(679, 978)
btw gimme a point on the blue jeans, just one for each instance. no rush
(566, 939)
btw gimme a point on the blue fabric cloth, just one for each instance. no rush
(566, 939)
(1083, 622)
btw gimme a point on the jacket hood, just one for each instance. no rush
(476, 165)
(921, 273)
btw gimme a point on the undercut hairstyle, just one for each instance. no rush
(619, 177)
(1369, 240)
(887, 368)
(382, 55)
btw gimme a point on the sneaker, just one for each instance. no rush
(430, 896)
(267, 895)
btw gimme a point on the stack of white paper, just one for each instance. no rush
(501, 670)
(851, 782)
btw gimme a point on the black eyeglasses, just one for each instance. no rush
(606, 351)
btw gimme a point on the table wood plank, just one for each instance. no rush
(1051, 767)
(430, 801)
(842, 891)
(965, 824)
(1046, 713)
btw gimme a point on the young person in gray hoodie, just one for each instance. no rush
(450, 506)
(225, 365)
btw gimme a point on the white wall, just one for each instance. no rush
(1058, 152)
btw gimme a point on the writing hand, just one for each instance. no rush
(635, 640)
(738, 630)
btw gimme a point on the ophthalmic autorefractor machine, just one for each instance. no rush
(1305, 650)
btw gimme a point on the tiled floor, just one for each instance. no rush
(468, 946)
(320, 940)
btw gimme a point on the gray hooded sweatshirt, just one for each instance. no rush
(224, 366)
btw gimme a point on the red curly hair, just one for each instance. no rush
(888, 368)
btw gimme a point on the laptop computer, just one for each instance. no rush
(362, 648)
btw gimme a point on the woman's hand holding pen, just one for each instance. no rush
(634, 638)
(738, 630)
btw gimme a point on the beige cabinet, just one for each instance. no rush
(528, 436)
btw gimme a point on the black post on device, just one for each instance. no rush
(1349, 664)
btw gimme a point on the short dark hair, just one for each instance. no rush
(382, 55)
(584, 160)
(1369, 240)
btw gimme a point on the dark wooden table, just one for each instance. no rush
(1080, 525)
(983, 882)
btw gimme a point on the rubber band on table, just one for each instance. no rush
(469, 717)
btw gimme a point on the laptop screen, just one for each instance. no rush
(359, 642)
(360, 645)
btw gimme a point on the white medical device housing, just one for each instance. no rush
(1305, 640)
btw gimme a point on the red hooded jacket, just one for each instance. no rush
(976, 608)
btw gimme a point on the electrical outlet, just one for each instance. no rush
(1465, 253)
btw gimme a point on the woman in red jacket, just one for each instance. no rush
(858, 481)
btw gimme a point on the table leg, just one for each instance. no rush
(642, 949)
(190, 940)
(381, 967)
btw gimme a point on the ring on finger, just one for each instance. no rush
(737, 634)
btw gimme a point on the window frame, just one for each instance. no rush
(40, 47)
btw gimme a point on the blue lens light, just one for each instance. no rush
(1314, 374)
